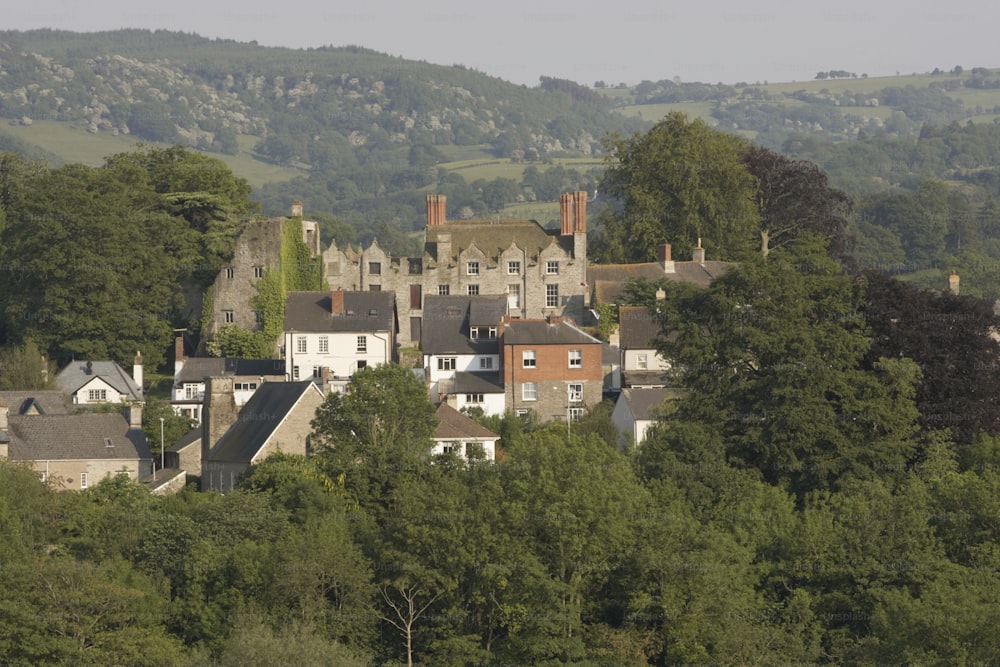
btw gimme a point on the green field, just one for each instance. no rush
(74, 144)
(543, 212)
(491, 168)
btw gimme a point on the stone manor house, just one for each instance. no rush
(542, 273)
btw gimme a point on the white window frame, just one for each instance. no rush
(301, 344)
(552, 267)
(472, 268)
(475, 399)
(552, 295)
(473, 289)
(513, 296)
(295, 372)
(97, 394)
(324, 344)
(575, 358)
(529, 391)
(486, 363)
(642, 361)
(576, 414)
(575, 392)
(513, 268)
(529, 359)
(447, 363)
(191, 391)
(362, 345)
(83, 480)
(444, 289)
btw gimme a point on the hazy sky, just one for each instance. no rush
(519, 40)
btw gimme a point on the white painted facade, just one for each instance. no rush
(97, 391)
(343, 354)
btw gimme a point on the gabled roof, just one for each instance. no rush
(493, 237)
(192, 437)
(88, 436)
(44, 402)
(637, 328)
(478, 383)
(644, 404)
(363, 311)
(258, 419)
(453, 425)
(446, 322)
(196, 369)
(79, 373)
(540, 332)
(609, 279)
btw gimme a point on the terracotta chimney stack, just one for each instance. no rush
(566, 214)
(179, 357)
(436, 210)
(580, 211)
(664, 257)
(337, 302)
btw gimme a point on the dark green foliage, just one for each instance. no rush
(95, 260)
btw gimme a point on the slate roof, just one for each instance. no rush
(637, 328)
(446, 322)
(258, 419)
(191, 437)
(609, 279)
(453, 425)
(648, 378)
(47, 402)
(196, 369)
(643, 403)
(494, 237)
(478, 383)
(363, 311)
(540, 332)
(610, 355)
(75, 437)
(75, 375)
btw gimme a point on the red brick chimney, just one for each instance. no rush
(663, 252)
(436, 210)
(337, 302)
(566, 214)
(580, 211)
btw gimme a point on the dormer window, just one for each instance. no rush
(108, 443)
(472, 268)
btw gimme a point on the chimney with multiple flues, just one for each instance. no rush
(436, 210)
(572, 212)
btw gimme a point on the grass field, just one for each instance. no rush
(543, 212)
(74, 144)
(490, 168)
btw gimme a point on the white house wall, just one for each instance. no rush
(342, 356)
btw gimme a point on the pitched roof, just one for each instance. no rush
(46, 402)
(196, 369)
(611, 355)
(258, 419)
(609, 279)
(363, 311)
(446, 322)
(76, 437)
(637, 328)
(453, 425)
(478, 383)
(77, 374)
(192, 437)
(494, 237)
(540, 332)
(645, 403)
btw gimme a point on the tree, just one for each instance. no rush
(771, 354)
(793, 197)
(376, 431)
(23, 367)
(679, 182)
(951, 338)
